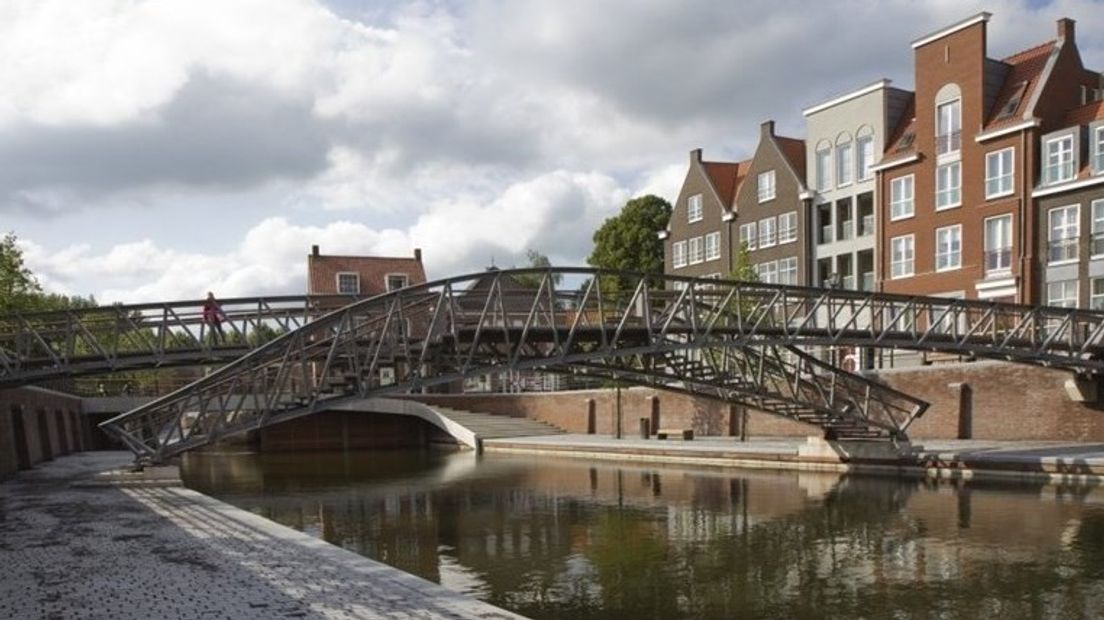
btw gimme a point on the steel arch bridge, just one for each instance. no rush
(736, 341)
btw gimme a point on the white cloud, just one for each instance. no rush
(552, 213)
(470, 129)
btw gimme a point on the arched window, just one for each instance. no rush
(948, 119)
(823, 165)
(864, 145)
(845, 160)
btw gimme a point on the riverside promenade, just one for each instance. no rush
(75, 543)
(1058, 462)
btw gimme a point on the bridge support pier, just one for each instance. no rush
(843, 451)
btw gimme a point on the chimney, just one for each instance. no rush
(767, 129)
(314, 250)
(1065, 30)
(418, 254)
(695, 156)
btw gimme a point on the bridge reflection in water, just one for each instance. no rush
(582, 540)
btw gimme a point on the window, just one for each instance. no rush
(900, 202)
(766, 186)
(845, 164)
(678, 254)
(824, 168)
(1097, 248)
(748, 236)
(948, 184)
(1059, 159)
(1062, 294)
(1096, 294)
(768, 272)
(948, 136)
(901, 256)
(787, 270)
(694, 208)
(998, 244)
(866, 157)
(787, 227)
(348, 283)
(998, 173)
(1098, 146)
(696, 254)
(1064, 229)
(713, 246)
(395, 281)
(767, 229)
(948, 247)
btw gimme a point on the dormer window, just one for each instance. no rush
(948, 133)
(694, 208)
(1059, 159)
(395, 281)
(348, 283)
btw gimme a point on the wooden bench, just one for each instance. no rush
(675, 433)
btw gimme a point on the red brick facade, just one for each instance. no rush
(372, 272)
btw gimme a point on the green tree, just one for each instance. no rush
(536, 261)
(742, 269)
(17, 283)
(630, 240)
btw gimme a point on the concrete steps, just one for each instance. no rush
(488, 426)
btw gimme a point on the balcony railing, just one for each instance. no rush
(867, 225)
(1062, 249)
(848, 282)
(825, 234)
(847, 230)
(868, 281)
(948, 143)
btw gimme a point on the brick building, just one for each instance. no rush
(1070, 214)
(759, 203)
(955, 184)
(361, 275)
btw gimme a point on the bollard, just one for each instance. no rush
(645, 428)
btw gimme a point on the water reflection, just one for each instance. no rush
(572, 539)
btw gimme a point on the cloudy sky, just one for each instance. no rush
(157, 150)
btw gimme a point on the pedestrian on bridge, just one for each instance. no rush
(214, 316)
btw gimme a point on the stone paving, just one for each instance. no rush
(75, 547)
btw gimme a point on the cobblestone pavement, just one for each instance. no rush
(72, 547)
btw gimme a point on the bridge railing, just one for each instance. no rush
(37, 346)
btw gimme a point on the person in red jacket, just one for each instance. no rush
(214, 316)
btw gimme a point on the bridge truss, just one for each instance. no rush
(84, 341)
(736, 341)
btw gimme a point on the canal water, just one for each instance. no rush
(564, 538)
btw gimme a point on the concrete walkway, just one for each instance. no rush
(74, 546)
(1047, 461)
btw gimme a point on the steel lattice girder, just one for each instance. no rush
(83, 341)
(490, 322)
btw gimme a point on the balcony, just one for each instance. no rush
(867, 225)
(847, 230)
(948, 143)
(825, 234)
(867, 281)
(1062, 249)
(998, 260)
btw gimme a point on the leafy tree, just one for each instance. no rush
(17, 283)
(537, 261)
(630, 240)
(742, 269)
